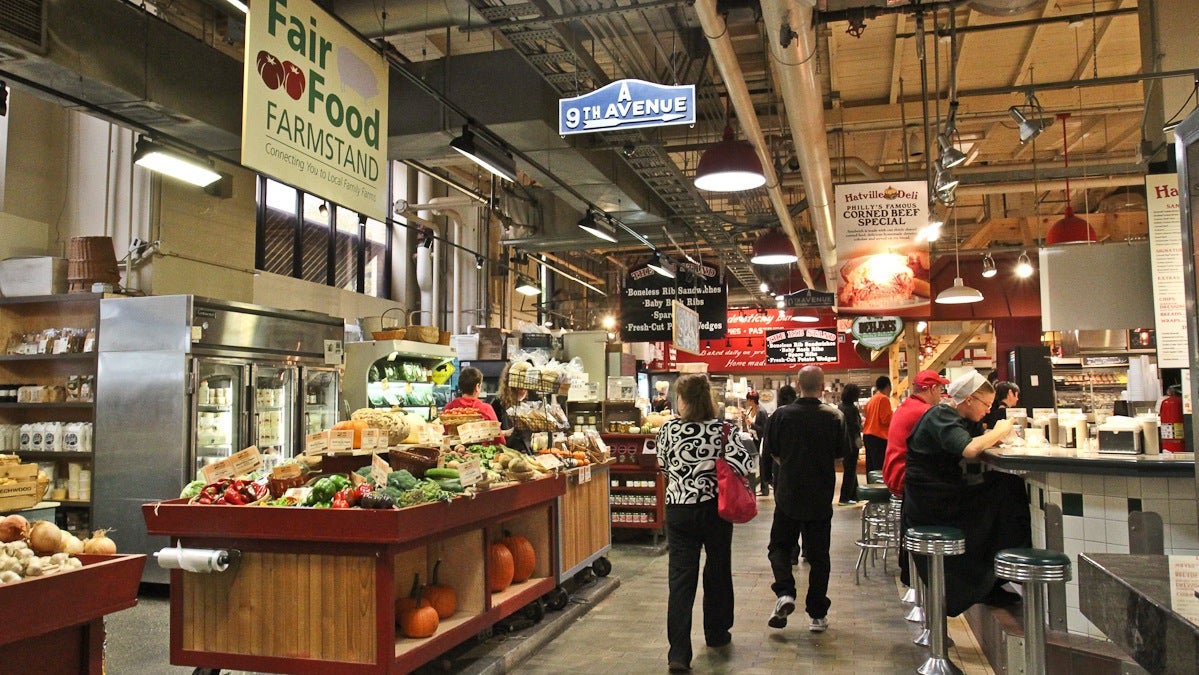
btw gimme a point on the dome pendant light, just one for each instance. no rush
(1070, 228)
(959, 293)
(730, 165)
(773, 248)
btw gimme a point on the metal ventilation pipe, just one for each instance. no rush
(734, 81)
(792, 46)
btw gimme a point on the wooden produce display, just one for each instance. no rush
(586, 525)
(65, 631)
(315, 590)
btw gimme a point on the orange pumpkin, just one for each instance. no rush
(421, 620)
(499, 567)
(524, 558)
(408, 602)
(356, 425)
(443, 598)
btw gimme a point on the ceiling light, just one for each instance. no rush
(729, 166)
(323, 208)
(921, 326)
(1070, 228)
(598, 227)
(989, 266)
(944, 186)
(526, 286)
(950, 156)
(478, 262)
(239, 5)
(915, 145)
(932, 231)
(806, 316)
(662, 264)
(773, 248)
(608, 322)
(487, 155)
(1024, 268)
(1029, 128)
(764, 287)
(780, 302)
(959, 294)
(155, 157)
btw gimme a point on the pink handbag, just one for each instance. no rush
(735, 501)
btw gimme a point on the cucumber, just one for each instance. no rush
(438, 474)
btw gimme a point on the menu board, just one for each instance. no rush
(1165, 241)
(645, 302)
(801, 345)
(686, 328)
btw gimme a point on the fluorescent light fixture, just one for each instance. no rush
(989, 266)
(157, 158)
(958, 294)
(950, 156)
(598, 227)
(1029, 128)
(662, 264)
(526, 286)
(487, 155)
(773, 248)
(729, 166)
(1024, 268)
(240, 6)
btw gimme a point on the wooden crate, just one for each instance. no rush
(23, 492)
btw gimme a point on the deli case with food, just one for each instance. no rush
(184, 382)
(414, 376)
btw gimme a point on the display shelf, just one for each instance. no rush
(75, 503)
(42, 358)
(65, 405)
(635, 507)
(623, 489)
(219, 408)
(43, 455)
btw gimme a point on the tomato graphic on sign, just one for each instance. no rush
(270, 70)
(293, 80)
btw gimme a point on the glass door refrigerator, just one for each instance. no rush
(273, 412)
(218, 410)
(319, 405)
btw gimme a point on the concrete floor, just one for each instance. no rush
(625, 632)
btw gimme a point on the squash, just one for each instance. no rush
(421, 620)
(393, 423)
(499, 567)
(356, 425)
(443, 598)
(408, 602)
(524, 558)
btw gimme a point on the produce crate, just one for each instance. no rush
(20, 489)
(585, 526)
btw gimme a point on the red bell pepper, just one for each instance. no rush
(362, 490)
(339, 500)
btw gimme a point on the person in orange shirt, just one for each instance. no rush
(876, 423)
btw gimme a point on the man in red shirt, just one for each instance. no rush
(876, 421)
(469, 383)
(927, 389)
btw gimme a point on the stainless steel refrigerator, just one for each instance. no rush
(184, 381)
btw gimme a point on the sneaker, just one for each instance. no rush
(782, 609)
(818, 625)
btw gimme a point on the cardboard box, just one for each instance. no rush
(41, 275)
(491, 344)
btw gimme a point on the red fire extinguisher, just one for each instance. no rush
(1173, 436)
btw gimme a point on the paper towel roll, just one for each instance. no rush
(203, 560)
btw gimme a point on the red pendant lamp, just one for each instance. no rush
(1070, 228)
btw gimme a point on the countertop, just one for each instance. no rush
(1146, 604)
(1056, 459)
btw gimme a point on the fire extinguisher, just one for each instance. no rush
(1173, 436)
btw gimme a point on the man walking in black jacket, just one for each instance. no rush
(806, 438)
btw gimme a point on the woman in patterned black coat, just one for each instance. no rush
(687, 452)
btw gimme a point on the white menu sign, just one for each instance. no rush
(1165, 243)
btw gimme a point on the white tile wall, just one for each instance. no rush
(1104, 526)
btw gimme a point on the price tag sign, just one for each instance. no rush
(370, 439)
(584, 474)
(286, 471)
(548, 462)
(234, 465)
(470, 472)
(315, 444)
(61, 346)
(341, 440)
(379, 470)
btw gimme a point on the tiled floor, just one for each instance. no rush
(626, 633)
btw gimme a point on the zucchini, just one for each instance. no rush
(437, 474)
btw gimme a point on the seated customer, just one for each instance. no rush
(993, 514)
(1007, 395)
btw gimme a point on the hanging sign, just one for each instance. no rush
(801, 345)
(1165, 241)
(314, 106)
(686, 328)
(809, 298)
(645, 302)
(876, 332)
(881, 269)
(627, 104)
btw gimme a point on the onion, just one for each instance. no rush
(73, 546)
(44, 537)
(13, 528)
(99, 543)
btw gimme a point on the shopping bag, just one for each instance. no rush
(735, 502)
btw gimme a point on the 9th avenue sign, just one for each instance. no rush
(627, 104)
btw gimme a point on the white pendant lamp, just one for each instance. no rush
(959, 293)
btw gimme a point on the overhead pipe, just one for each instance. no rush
(794, 53)
(734, 81)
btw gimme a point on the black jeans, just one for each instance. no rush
(816, 536)
(849, 476)
(690, 527)
(876, 451)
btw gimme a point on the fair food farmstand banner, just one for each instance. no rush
(645, 302)
(314, 106)
(881, 267)
(768, 340)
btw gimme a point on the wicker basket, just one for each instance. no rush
(415, 460)
(394, 334)
(534, 422)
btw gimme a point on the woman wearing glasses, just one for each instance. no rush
(993, 513)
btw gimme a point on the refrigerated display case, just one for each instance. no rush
(398, 374)
(183, 382)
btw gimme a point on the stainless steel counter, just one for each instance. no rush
(1054, 458)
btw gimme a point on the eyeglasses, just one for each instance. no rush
(985, 404)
